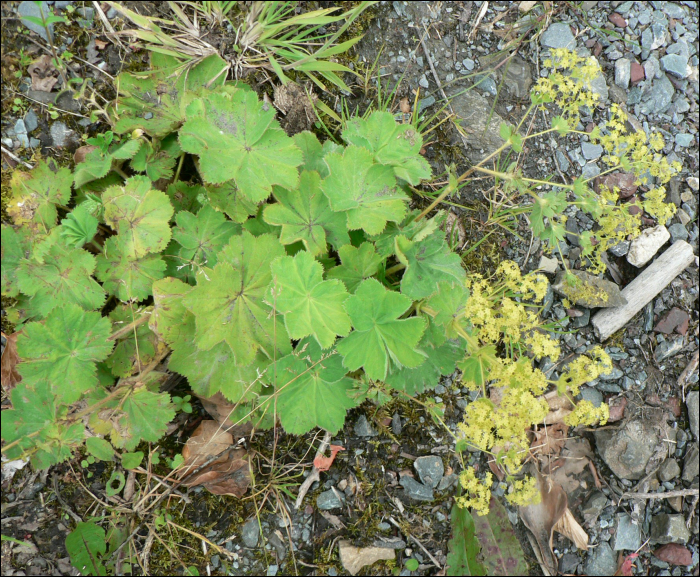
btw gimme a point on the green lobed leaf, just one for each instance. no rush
(200, 238)
(80, 226)
(357, 264)
(475, 367)
(310, 305)
(463, 548)
(228, 198)
(59, 275)
(396, 145)
(58, 445)
(155, 102)
(441, 360)
(134, 350)
(314, 152)
(428, 262)
(128, 279)
(365, 191)
(86, 545)
(305, 215)
(63, 351)
(385, 242)
(380, 338)
(546, 206)
(501, 553)
(140, 215)
(448, 302)
(237, 136)
(15, 246)
(36, 194)
(185, 196)
(99, 448)
(313, 389)
(156, 161)
(98, 162)
(228, 301)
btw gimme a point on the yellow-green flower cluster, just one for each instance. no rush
(584, 369)
(586, 414)
(478, 492)
(568, 84)
(524, 492)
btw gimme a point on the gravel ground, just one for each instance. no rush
(392, 487)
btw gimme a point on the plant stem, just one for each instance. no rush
(128, 328)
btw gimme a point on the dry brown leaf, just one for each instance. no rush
(80, 154)
(404, 106)
(228, 474)
(100, 44)
(575, 456)
(542, 518)
(43, 73)
(10, 359)
(549, 440)
(355, 558)
(220, 409)
(572, 530)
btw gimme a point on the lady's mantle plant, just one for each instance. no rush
(288, 275)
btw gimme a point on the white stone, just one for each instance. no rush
(548, 265)
(647, 244)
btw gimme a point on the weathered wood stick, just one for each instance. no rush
(644, 288)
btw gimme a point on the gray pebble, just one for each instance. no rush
(676, 65)
(591, 151)
(669, 470)
(558, 35)
(430, 469)
(329, 500)
(678, 232)
(31, 121)
(628, 535)
(468, 63)
(32, 9)
(250, 532)
(416, 490)
(363, 428)
(601, 561)
(684, 139)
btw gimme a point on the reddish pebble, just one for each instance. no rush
(672, 319)
(617, 20)
(674, 554)
(636, 73)
(597, 49)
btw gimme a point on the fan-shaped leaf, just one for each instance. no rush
(237, 136)
(200, 237)
(313, 389)
(412, 230)
(135, 349)
(155, 102)
(59, 275)
(184, 196)
(36, 194)
(304, 214)
(63, 351)
(16, 245)
(448, 302)
(313, 151)
(427, 262)
(126, 278)
(366, 191)
(311, 306)
(228, 198)
(155, 159)
(397, 145)
(380, 337)
(228, 300)
(80, 226)
(358, 263)
(140, 215)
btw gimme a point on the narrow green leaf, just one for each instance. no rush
(463, 547)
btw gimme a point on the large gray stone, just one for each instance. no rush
(601, 561)
(669, 529)
(691, 402)
(660, 96)
(32, 9)
(628, 535)
(250, 532)
(430, 470)
(473, 111)
(690, 464)
(558, 35)
(669, 470)
(676, 64)
(590, 291)
(329, 500)
(627, 450)
(416, 490)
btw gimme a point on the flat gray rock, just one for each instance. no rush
(329, 500)
(250, 532)
(415, 490)
(690, 464)
(590, 291)
(601, 561)
(558, 35)
(691, 402)
(32, 9)
(628, 535)
(668, 349)
(430, 470)
(473, 110)
(669, 529)
(627, 450)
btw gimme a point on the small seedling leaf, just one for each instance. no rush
(86, 544)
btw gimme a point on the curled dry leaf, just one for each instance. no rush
(549, 440)
(229, 471)
(617, 409)
(355, 558)
(220, 409)
(575, 457)
(324, 463)
(542, 518)
(10, 359)
(43, 73)
(627, 567)
(454, 222)
(572, 530)
(559, 407)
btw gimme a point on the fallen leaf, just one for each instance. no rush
(332, 519)
(220, 409)
(43, 73)
(626, 568)
(355, 558)
(575, 457)
(559, 407)
(100, 44)
(404, 106)
(227, 474)
(324, 463)
(542, 518)
(501, 553)
(80, 154)
(572, 530)
(617, 409)
(674, 554)
(10, 359)
(549, 440)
